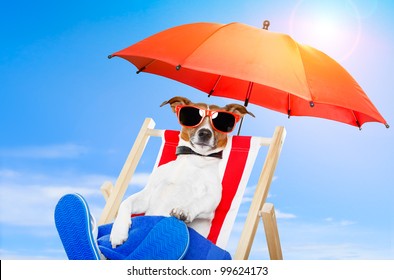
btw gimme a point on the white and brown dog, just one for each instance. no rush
(188, 188)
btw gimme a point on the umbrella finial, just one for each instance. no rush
(266, 24)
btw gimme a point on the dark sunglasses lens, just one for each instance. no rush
(189, 116)
(224, 122)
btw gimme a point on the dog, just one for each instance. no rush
(188, 188)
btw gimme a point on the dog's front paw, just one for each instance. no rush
(119, 232)
(181, 214)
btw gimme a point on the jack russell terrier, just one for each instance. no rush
(188, 188)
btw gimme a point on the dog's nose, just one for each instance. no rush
(204, 134)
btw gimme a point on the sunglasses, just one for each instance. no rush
(192, 116)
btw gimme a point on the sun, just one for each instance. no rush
(333, 27)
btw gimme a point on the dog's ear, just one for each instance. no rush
(175, 101)
(238, 109)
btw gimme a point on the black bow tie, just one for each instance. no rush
(183, 150)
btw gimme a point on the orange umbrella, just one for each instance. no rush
(255, 65)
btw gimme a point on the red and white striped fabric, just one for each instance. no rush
(235, 167)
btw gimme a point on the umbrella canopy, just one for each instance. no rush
(255, 65)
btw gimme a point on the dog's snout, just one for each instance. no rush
(204, 134)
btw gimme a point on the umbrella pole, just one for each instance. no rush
(240, 126)
(248, 93)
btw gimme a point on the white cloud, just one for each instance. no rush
(347, 223)
(55, 151)
(8, 173)
(333, 240)
(302, 240)
(281, 215)
(345, 250)
(248, 194)
(45, 254)
(33, 205)
(29, 199)
(341, 222)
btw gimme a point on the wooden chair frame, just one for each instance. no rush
(258, 208)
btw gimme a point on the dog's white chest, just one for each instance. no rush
(183, 181)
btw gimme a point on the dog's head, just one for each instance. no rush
(205, 127)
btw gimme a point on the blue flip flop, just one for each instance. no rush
(168, 240)
(150, 238)
(74, 225)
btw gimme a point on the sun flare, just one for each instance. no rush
(333, 27)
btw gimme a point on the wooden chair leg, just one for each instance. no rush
(271, 231)
(260, 195)
(117, 192)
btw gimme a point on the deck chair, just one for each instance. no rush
(238, 159)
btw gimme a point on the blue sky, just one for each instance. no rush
(69, 116)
